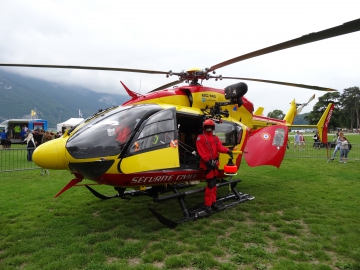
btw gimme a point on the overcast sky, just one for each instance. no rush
(178, 35)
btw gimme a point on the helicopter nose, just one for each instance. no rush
(51, 155)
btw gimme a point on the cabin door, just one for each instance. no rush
(154, 146)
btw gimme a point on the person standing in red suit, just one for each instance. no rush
(208, 147)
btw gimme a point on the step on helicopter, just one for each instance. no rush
(147, 145)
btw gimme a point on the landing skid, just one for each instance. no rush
(121, 193)
(199, 211)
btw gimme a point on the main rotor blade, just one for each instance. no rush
(85, 67)
(167, 85)
(343, 29)
(285, 83)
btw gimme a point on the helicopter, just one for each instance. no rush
(147, 145)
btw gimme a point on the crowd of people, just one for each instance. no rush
(299, 141)
(341, 143)
(32, 138)
(35, 138)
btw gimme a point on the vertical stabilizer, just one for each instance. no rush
(290, 115)
(259, 111)
(322, 125)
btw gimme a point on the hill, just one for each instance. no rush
(300, 119)
(53, 102)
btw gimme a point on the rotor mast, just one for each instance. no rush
(192, 76)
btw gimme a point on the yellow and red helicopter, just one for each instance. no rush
(148, 143)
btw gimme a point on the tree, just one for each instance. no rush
(320, 107)
(278, 114)
(350, 105)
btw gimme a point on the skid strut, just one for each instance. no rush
(192, 213)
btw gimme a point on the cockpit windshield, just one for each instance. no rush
(108, 134)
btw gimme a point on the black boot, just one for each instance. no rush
(217, 206)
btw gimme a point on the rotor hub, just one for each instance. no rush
(193, 75)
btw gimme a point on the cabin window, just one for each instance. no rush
(155, 133)
(227, 133)
(279, 137)
(239, 133)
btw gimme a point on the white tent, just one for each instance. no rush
(68, 124)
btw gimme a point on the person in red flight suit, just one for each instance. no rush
(122, 133)
(209, 146)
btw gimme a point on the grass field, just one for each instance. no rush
(305, 216)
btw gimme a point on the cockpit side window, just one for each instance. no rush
(157, 132)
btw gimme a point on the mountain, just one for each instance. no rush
(51, 101)
(300, 119)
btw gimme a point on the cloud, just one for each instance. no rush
(164, 35)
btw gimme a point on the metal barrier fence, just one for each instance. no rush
(15, 159)
(311, 150)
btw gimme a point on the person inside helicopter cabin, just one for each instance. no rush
(208, 147)
(122, 131)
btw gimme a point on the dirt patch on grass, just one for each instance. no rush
(111, 260)
(134, 261)
(158, 264)
(131, 240)
(223, 259)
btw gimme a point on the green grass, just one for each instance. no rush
(305, 216)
